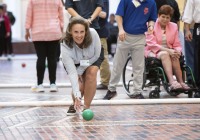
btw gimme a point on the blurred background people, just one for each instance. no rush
(4, 31)
(113, 34)
(11, 17)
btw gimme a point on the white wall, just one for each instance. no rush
(113, 6)
(19, 7)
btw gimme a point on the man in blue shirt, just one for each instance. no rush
(134, 18)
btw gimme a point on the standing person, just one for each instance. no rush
(82, 56)
(4, 30)
(103, 34)
(12, 20)
(191, 13)
(189, 47)
(113, 33)
(132, 17)
(45, 20)
(88, 9)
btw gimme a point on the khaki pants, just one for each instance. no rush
(105, 68)
(133, 45)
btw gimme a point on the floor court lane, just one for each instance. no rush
(113, 122)
(120, 122)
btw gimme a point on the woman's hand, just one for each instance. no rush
(77, 104)
(27, 35)
(174, 54)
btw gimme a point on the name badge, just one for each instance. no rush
(136, 3)
(84, 63)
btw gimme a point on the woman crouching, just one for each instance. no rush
(82, 56)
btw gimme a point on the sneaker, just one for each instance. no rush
(102, 86)
(136, 96)
(38, 88)
(71, 111)
(53, 88)
(109, 95)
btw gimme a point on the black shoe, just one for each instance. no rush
(71, 111)
(197, 95)
(110, 94)
(137, 96)
(101, 86)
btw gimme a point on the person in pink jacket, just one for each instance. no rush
(44, 27)
(164, 44)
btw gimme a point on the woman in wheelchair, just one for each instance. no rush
(164, 44)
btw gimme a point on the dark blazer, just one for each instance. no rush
(11, 17)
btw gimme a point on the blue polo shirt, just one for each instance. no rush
(135, 18)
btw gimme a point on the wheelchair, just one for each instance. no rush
(154, 73)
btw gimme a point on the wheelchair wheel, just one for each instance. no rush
(154, 94)
(127, 75)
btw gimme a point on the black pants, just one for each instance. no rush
(46, 49)
(2, 45)
(197, 54)
(58, 53)
(9, 47)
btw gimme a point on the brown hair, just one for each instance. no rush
(166, 10)
(68, 37)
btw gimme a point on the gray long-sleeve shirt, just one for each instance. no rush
(72, 56)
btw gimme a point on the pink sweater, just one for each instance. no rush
(154, 41)
(45, 19)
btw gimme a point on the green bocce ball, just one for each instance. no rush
(88, 114)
